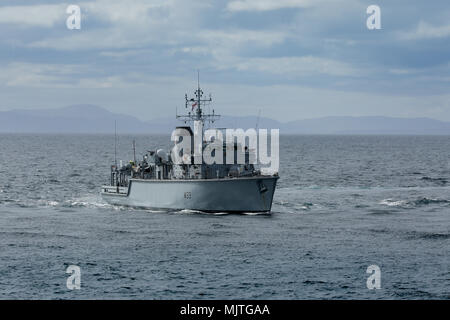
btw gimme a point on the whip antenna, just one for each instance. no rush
(115, 143)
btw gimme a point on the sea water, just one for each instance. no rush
(342, 204)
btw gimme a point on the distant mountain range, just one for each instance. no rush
(94, 119)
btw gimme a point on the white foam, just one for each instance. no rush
(255, 213)
(48, 203)
(393, 203)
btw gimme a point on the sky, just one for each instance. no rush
(288, 59)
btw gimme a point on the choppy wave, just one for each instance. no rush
(442, 181)
(423, 201)
(393, 203)
(426, 201)
(342, 203)
(382, 211)
(357, 190)
(303, 206)
(417, 235)
(83, 202)
(413, 235)
(87, 202)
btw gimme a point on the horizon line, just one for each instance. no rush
(228, 115)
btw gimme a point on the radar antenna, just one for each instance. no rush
(198, 103)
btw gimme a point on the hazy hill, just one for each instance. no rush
(94, 119)
(72, 119)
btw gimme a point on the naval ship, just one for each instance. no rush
(160, 182)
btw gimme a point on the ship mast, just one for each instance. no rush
(198, 103)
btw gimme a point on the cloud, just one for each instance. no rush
(36, 15)
(125, 48)
(113, 11)
(426, 31)
(164, 34)
(115, 24)
(117, 38)
(299, 66)
(35, 75)
(267, 5)
(131, 12)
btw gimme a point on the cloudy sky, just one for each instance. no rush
(291, 59)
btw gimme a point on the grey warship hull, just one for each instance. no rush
(201, 172)
(244, 194)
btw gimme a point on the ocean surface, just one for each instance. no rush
(342, 203)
